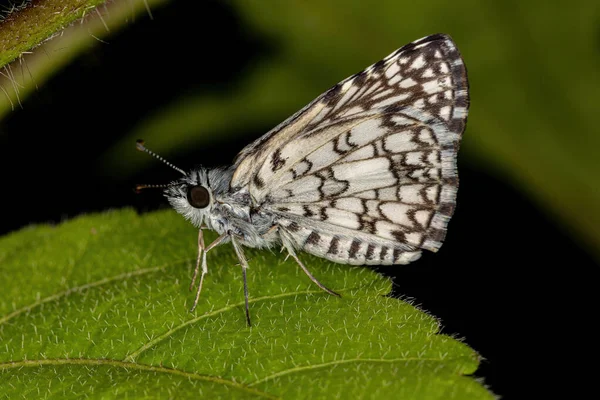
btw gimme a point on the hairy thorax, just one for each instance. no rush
(234, 213)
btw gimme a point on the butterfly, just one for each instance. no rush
(364, 174)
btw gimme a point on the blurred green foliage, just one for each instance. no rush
(533, 69)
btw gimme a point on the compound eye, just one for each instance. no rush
(198, 196)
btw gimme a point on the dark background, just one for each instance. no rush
(511, 279)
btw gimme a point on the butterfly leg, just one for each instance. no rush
(211, 246)
(292, 253)
(200, 251)
(244, 263)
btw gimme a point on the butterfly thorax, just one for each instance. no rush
(204, 197)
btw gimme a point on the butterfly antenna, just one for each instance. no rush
(139, 188)
(139, 144)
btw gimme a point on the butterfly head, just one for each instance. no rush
(191, 195)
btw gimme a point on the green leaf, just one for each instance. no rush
(32, 26)
(28, 27)
(98, 306)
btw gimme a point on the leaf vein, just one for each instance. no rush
(335, 363)
(80, 288)
(136, 366)
(133, 356)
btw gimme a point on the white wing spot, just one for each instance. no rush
(391, 100)
(385, 229)
(362, 169)
(417, 174)
(333, 188)
(321, 157)
(425, 136)
(397, 213)
(414, 158)
(445, 112)
(434, 173)
(362, 153)
(367, 194)
(432, 193)
(379, 146)
(408, 82)
(422, 217)
(342, 218)
(401, 141)
(301, 168)
(411, 194)
(305, 184)
(373, 208)
(350, 204)
(383, 93)
(347, 85)
(367, 131)
(431, 86)
(418, 63)
(399, 120)
(395, 79)
(388, 194)
(392, 70)
(428, 73)
(413, 238)
(373, 87)
(432, 158)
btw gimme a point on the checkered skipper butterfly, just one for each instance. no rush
(365, 174)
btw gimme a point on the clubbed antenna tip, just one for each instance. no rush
(139, 144)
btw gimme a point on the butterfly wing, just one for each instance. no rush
(366, 173)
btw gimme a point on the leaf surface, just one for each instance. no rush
(99, 306)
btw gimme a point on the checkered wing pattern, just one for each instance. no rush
(366, 173)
